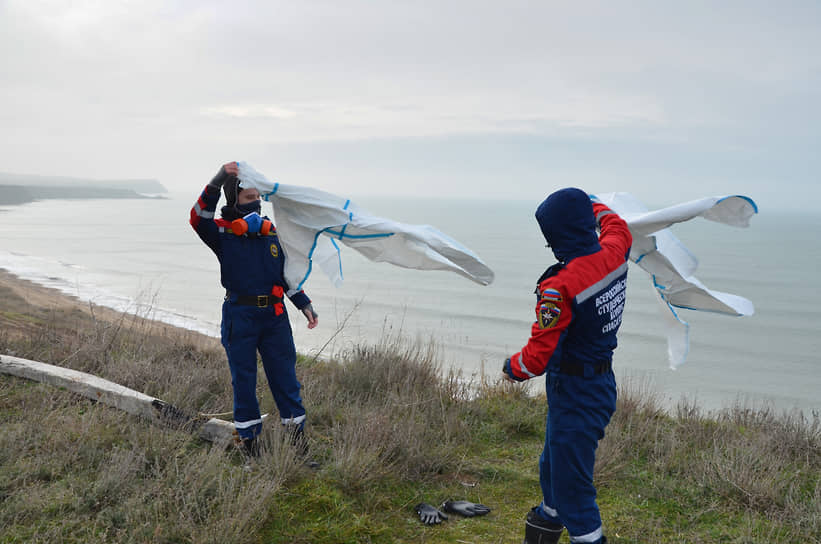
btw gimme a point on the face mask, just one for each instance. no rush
(251, 224)
(251, 207)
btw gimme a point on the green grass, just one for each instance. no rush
(390, 430)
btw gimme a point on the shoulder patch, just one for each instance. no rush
(551, 295)
(548, 314)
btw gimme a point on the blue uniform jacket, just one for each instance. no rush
(249, 264)
(580, 300)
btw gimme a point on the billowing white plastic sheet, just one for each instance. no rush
(671, 265)
(311, 224)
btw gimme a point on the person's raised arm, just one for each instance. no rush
(614, 229)
(204, 209)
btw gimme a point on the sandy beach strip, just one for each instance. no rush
(39, 298)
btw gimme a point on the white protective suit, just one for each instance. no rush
(311, 222)
(671, 265)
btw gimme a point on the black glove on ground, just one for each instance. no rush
(465, 508)
(429, 514)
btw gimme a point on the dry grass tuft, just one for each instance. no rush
(762, 462)
(385, 409)
(74, 471)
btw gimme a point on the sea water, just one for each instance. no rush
(141, 256)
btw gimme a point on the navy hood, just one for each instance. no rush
(568, 224)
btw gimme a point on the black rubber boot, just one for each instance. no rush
(250, 447)
(300, 444)
(540, 531)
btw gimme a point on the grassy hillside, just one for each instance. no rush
(390, 432)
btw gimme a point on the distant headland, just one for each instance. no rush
(23, 188)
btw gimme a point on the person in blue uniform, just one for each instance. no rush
(254, 318)
(579, 307)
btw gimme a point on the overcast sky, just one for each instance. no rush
(669, 100)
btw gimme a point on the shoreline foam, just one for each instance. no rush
(49, 292)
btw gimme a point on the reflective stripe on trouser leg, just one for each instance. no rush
(279, 362)
(589, 538)
(239, 340)
(579, 410)
(298, 421)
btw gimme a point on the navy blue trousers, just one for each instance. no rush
(579, 408)
(246, 330)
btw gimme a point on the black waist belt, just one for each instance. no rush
(260, 301)
(577, 369)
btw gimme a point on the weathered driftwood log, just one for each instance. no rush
(116, 395)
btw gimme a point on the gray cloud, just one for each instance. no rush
(346, 95)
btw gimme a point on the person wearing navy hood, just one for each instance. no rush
(579, 306)
(253, 313)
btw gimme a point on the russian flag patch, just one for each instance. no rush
(551, 295)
